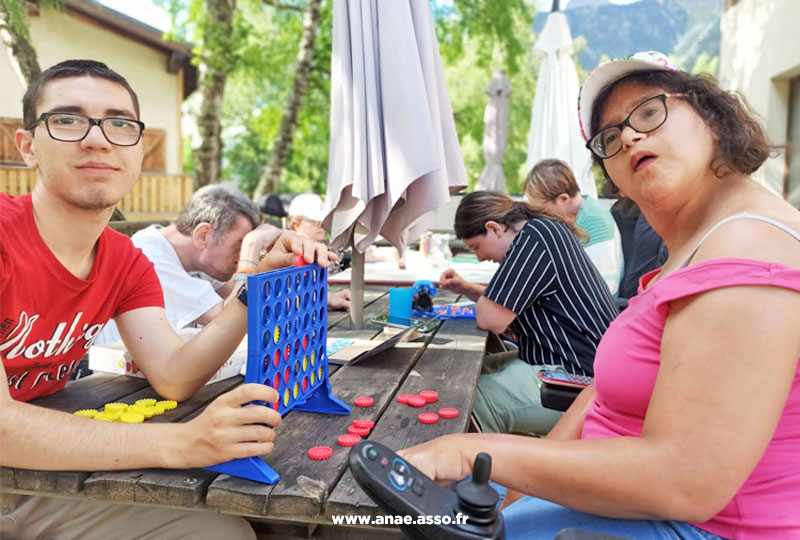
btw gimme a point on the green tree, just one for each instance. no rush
(216, 59)
(476, 38)
(16, 37)
(283, 143)
(254, 107)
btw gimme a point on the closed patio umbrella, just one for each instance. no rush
(495, 134)
(394, 153)
(555, 130)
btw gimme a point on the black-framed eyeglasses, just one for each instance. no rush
(647, 116)
(74, 127)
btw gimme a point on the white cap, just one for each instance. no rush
(308, 205)
(612, 71)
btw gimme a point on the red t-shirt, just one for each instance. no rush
(49, 317)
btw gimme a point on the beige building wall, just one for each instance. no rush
(759, 56)
(59, 35)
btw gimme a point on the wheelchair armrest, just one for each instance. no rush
(580, 534)
(558, 397)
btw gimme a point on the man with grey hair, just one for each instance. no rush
(216, 234)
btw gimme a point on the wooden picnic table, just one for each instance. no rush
(309, 492)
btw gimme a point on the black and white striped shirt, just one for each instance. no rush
(562, 304)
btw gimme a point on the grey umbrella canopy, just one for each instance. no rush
(495, 134)
(394, 153)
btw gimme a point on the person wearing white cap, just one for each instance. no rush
(690, 429)
(306, 213)
(305, 216)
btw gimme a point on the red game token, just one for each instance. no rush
(320, 452)
(448, 412)
(428, 418)
(417, 401)
(361, 432)
(363, 402)
(403, 398)
(364, 424)
(348, 440)
(430, 395)
(299, 260)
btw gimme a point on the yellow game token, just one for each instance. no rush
(86, 413)
(122, 407)
(145, 402)
(105, 417)
(132, 418)
(159, 409)
(168, 404)
(147, 412)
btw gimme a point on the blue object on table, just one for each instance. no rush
(449, 311)
(400, 299)
(287, 333)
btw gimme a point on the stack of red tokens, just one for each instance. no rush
(360, 428)
(417, 401)
(430, 395)
(361, 432)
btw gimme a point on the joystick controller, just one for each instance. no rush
(467, 511)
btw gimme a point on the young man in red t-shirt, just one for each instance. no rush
(63, 275)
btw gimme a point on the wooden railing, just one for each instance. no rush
(154, 196)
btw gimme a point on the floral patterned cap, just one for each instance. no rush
(612, 71)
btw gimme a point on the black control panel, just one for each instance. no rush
(467, 511)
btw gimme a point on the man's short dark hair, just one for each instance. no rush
(218, 205)
(64, 70)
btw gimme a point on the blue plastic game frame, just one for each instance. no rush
(287, 330)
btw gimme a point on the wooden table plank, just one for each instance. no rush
(451, 368)
(88, 393)
(371, 294)
(185, 488)
(165, 487)
(305, 483)
(92, 392)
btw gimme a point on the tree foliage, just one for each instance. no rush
(476, 37)
(15, 36)
(472, 50)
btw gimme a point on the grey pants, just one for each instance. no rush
(37, 518)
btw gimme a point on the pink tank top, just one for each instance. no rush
(767, 506)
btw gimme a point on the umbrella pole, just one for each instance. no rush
(357, 290)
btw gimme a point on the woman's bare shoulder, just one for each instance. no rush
(758, 239)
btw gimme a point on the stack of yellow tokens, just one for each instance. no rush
(130, 414)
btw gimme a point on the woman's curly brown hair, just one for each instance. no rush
(743, 144)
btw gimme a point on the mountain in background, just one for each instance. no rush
(683, 28)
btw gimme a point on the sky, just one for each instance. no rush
(143, 10)
(147, 12)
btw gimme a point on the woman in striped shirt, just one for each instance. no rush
(546, 291)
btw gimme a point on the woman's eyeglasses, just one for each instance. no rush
(644, 118)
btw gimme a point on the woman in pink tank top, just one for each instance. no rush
(691, 428)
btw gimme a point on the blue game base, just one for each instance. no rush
(251, 468)
(321, 400)
(324, 402)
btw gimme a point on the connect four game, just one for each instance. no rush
(287, 328)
